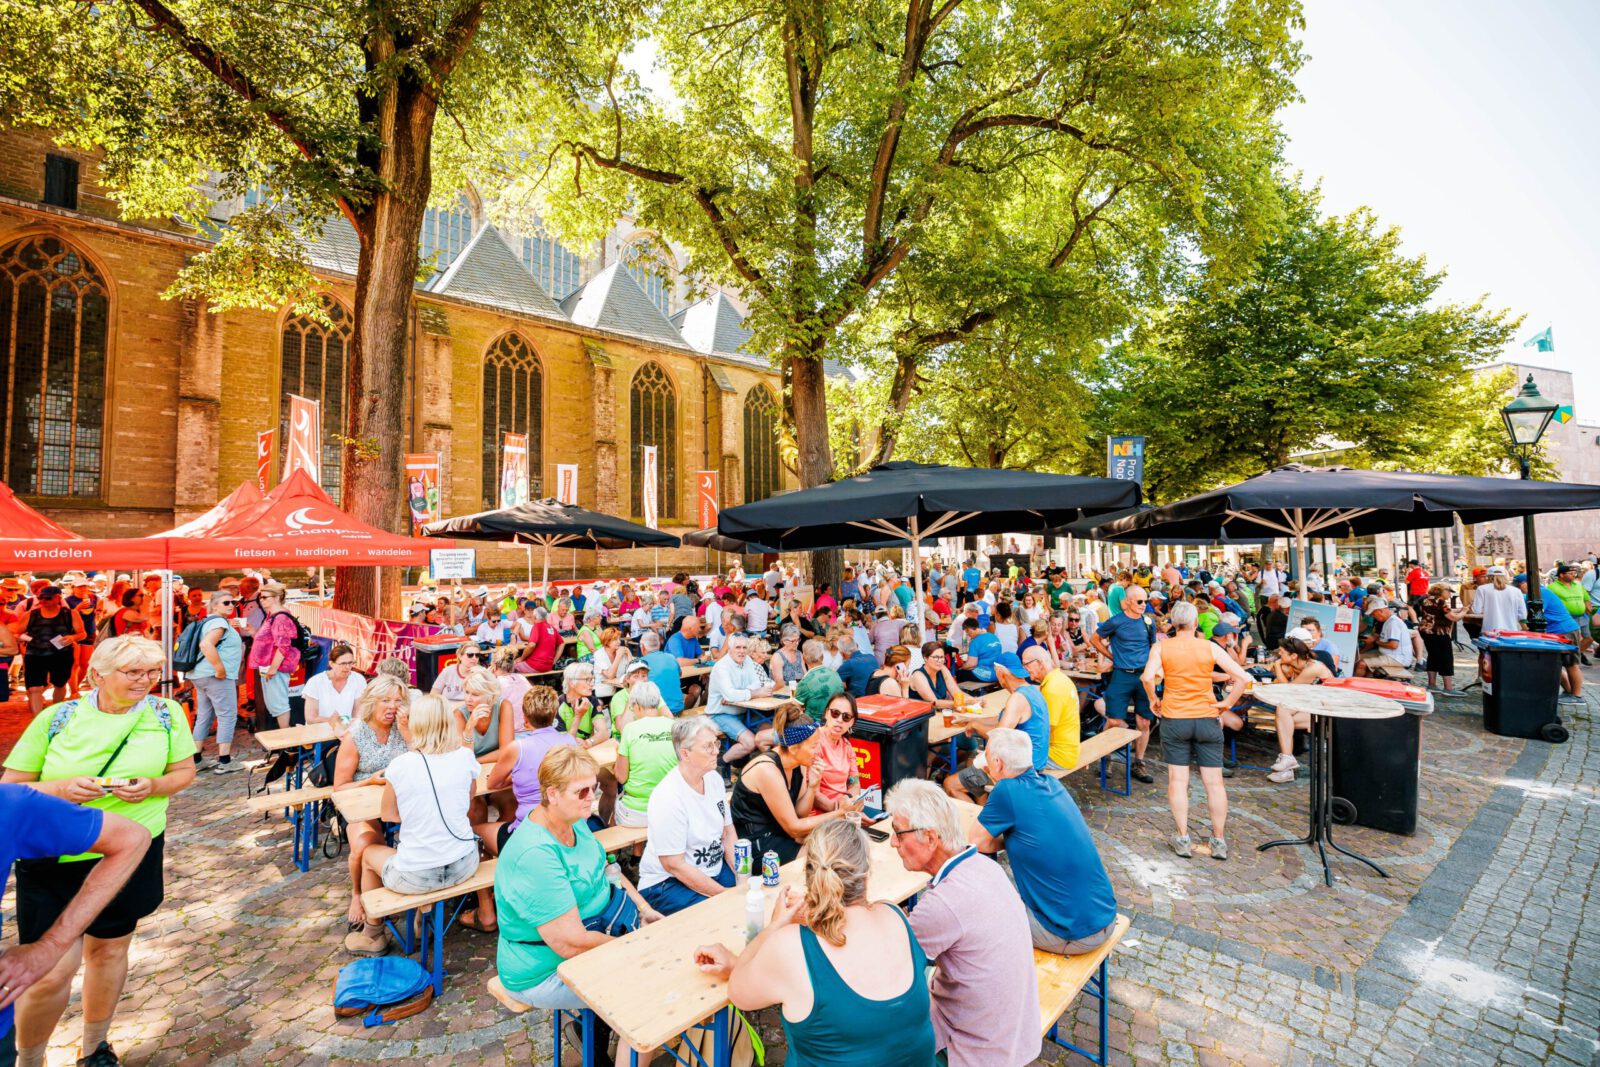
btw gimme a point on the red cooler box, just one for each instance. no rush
(890, 739)
(1377, 763)
(1415, 698)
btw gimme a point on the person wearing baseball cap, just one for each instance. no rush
(637, 671)
(1575, 598)
(1388, 646)
(1023, 710)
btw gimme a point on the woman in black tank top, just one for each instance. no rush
(773, 801)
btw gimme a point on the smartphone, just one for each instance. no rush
(876, 833)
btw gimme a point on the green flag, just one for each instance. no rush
(1541, 342)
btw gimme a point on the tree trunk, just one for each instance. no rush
(809, 401)
(380, 348)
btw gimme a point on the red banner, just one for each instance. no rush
(706, 497)
(303, 449)
(422, 489)
(264, 442)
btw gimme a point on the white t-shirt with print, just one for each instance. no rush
(683, 822)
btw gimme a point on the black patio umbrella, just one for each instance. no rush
(1094, 528)
(914, 501)
(550, 524)
(710, 538)
(1297, 501)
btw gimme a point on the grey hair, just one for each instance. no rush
(1230, 618)
(686, 731)
(925, 807)
(1013, 746)
(789, 630)
(540, 614)
(592, 616)
(219, 594)
(646, 694)
(649, 641)
(813, 652)
(574, 671)
(1184, 615)
(845, 645)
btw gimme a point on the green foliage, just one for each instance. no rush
(1334, 338)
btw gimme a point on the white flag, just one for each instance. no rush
(651, 517)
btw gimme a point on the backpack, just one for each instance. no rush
(302, 642)
(382, 989)
(186, 657)
(64, 711)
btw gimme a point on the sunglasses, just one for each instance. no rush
(227, 603)
(585, 793)
(842, 716)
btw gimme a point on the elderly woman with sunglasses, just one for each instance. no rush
(118, 732)
(216, 678)
(449, 683)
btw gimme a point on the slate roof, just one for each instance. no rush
(487, 271)
(336, 248)
(713, 325)
(612, 300)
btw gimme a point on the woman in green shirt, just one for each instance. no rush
(121, 749)
(645, 754)
(550, 878)
(589, 634)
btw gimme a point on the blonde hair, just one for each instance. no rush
(1500, 581)
(562, 766)
(504, 658)
(480, 683)
(121, 653)
(836, 876)
(433, 727)
(539, 706)
(382, 687)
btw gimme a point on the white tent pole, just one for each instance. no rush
(166, 634)
(916, 571)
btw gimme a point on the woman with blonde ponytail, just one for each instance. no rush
(849, 974)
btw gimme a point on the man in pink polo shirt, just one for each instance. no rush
(971, 922)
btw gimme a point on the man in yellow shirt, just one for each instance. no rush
(1061, 698)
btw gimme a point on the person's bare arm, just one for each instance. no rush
(122, 843)
(389, 806)
(1152, 676)
(1237, 678)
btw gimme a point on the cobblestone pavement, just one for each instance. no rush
(1483, 947)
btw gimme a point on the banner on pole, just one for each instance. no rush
(706, 493)
(1125, 459)
(651, 513)
(514, 471)
(567, 483)
(422, 489)
(303, 449)
(264, 442)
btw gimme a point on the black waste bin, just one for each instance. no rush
(1522, 685)
(432, 657)
(1377, 763)
(891, 739)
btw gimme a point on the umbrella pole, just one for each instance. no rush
(529, 549)
(166, 635)
(916, 571)
(544, 582)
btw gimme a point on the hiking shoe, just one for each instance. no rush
(1228, 769)
(371, 941)
(1219, 849)
(1182, 845)
(1568, 698)
(1285, 775)
(102, 1056)
(224, 768)
(1141, 773)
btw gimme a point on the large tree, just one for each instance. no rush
(860, 164)
(330, 107)
(1334, 339)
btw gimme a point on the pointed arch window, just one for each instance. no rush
(513, 402)
(653, 420)
(54, 312)
(761, 463)
(314, 356)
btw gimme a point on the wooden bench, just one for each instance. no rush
(304, 807)
(424, 915)
(1098, 748)
(1062, 978)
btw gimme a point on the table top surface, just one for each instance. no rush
(296, 736)
(771, 703)
(1330, 702)
(646, 984)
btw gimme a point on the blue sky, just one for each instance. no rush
(1474, 126)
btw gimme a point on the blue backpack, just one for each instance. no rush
(383, 989)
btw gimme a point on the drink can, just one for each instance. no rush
(769, 868)
(741, 857)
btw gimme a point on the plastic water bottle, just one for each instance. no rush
(755, 909)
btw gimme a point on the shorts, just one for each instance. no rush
(431, 879)
(974, 781)
(1569, 659)
(731, 725)
(673, 896)
(1441, 654)
(502, 835)
(8, 1047)
(52, 668)
(626, 816)
(1123, 687)
(46, 887)
(551, 994)
(1186, 741)
(1383, 661)
(1048, 940)
(274, 692)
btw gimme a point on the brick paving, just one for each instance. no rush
(1483, 948)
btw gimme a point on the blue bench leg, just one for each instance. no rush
(722, 1038)
(437, 962)
(1095, 987)
(302, 834)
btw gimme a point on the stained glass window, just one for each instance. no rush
(653, 420)
(313, 361)
(513, 402)
(761, 463)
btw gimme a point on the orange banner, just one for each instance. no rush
(264, 442)
(567, 483)
(706, 496)
(303, 449)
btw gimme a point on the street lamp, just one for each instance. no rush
(1527, 417)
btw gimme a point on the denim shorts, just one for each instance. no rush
(433, 878)
(274, 692)
(551, 994)
(732, 725)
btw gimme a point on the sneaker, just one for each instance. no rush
(1228, 769)
(1285, 762)
(1285, 775)
(1181, 845)
(1141, 773)
(102, 1056)
(1568, 698)
(224, 768)
(372, 941)
(1219, 849)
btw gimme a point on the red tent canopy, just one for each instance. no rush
(31, 542)
(235, 503)
(296, 524)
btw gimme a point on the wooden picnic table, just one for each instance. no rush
(664, 993)
(361, 804)
(771, 703)
(296, 736)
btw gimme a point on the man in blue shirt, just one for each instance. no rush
(665, 671)
(1060, 877)
(855, 667)
(1125, 639)
(1558, 620)
(686, 647)
(40, 826)
(971, 575)
(983, 648)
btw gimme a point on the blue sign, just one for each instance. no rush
(1125, 459)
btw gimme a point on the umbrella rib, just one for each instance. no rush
(947, 520)
(1336, 518)
(1245, 516)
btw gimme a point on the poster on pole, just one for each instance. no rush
(422, 489)
(651, 482)
(447, 563)
(1125, 459)
(303, 449)
(567, 483)
(1338, 624)
(514, 471)
(264, 442)
(706, 497)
